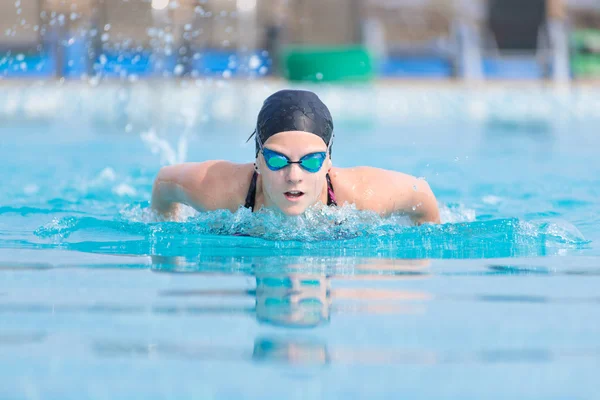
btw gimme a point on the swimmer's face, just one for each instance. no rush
(293, 189)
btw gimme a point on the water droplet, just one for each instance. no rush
(415, 188)
(73, 16)
(107, 27)
(263, 70)
(128, 128)
(159, 4)
(319, 76)
(102, 59)
(20, 57)
(456, 158)
(105, 37)
(179, 69)
(187, 27)
(227, 74)
(414, 208)
(254, 62)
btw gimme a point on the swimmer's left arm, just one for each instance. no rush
(422, 207)
(400, 193)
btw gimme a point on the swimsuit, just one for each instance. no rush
(250, 197)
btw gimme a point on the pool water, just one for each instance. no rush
(100, 300)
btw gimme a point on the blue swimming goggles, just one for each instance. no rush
(311, 162)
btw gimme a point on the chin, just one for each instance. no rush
(293, 210)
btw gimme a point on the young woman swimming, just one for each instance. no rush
(292, 172)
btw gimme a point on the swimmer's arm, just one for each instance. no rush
(205, 186)
(168, 191)
(390, 192)
(414, 197)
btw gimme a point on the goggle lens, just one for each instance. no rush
(277, 162)
(312, 164)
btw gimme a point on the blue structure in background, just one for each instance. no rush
(27, 65)
(417, 67)
(219, 62)
(513, 68)
(77, 60)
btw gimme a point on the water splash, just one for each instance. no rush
(321, 230)
(168, 155)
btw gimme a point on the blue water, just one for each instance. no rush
(100, 300)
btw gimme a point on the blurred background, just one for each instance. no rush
(300, 40)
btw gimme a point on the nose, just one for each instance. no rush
(294, 174)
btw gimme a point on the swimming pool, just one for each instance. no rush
(98, 300)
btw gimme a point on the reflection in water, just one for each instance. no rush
(298, 300)
(307, 293)
(300, 295)
(307, 352)
(290, 351)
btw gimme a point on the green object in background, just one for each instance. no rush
(585, 56)
(327, 64)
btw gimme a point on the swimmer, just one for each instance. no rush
(292, 172)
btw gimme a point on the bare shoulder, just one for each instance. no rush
(385, 192)
(360, 181)
(210, 185)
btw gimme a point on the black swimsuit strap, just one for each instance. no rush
(330, 193)
(251, 195)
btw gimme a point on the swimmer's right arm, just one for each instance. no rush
(204, 186)
(175, 185)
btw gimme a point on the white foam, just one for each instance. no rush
(454, 213)
(491, 200)
(124, 189)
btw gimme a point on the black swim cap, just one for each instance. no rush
(293, 110)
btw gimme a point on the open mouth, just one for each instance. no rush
(293, 195)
